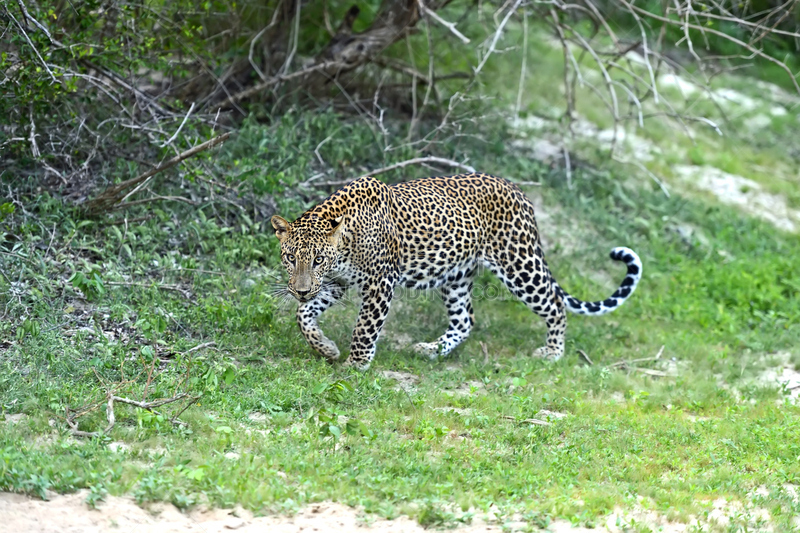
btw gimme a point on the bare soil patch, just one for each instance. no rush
(69, 513)
(743, 193)
(405, 380)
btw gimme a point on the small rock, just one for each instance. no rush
(544, 150)
(405, 380)
(235, 524)
(532, 122)
(118, 447)
(545, 414)
(15, 418)
(757, 122)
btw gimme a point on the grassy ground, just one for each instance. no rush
(92, 306)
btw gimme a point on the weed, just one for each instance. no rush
(97, 493)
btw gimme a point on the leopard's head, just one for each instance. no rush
(309, 249)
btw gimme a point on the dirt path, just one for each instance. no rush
(69, 514)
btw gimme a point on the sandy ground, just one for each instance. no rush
(70, 514)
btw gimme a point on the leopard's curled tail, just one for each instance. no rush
(626, 288)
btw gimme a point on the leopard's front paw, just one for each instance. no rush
(357, 364)
(548, 353)
(328, 349)
(431, 350)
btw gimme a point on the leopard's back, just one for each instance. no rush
(445, 224)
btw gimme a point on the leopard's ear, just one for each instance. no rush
(337, 226)
(281, 226)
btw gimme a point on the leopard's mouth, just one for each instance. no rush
(303, 298)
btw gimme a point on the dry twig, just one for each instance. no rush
(534, 421)
(647, 371)
(73, 415)
(496, 37)
(449, 25)
(34, 148)
(116, 193)
(421, 160)
(623, 363)
(485, 351)
(175, 135)
(200, 347)
(754, 51)
(176, 288)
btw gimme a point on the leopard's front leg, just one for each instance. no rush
(307, 314)
(376, 299)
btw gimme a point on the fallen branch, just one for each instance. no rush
(399, 66)
(184, 292)
(348, 50)
(626, 364)
(534, 421)
(156, 199)
(116, 193)
(651, 372)
(72, 416)
(585, 357)
(415, 161)
(200, 347)
(175, 135)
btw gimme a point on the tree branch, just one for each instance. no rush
(115, 193)
(420, 160)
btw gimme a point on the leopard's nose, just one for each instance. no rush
(303, 294)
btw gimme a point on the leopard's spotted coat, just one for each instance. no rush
(430, 233)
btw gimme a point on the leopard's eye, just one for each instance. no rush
(290, 257)
(319, 259)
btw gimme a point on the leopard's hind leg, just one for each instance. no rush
(457, 297)
(525, 273)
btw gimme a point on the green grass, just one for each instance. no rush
(277, 428)
(97, 305)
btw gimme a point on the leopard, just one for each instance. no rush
(428, 233)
